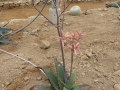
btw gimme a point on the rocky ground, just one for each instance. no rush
(99, 66)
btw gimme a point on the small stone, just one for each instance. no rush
(89, 53)
(99, 8)
(45, 29)
(84, 57)
(7, 83)
(44, 44)
(34, 44)
(26, 78)
(23, 67)
(39, 78)
(3, 85)
(105, 9)
(117, 73)
(117, 86)
(46, 24)
(25, 34)
(87, 12)
(66, 24)
(116, 66)
(35, 30)
(115, 21)
(101, 14)
(116, 43)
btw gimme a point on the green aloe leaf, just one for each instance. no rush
(4, 30)
(72, 78)
(60, 73)
(2, 40)
(65, 88)
(59, 69)
(53, 79)
(40, 87)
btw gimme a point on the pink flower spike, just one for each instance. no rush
(75, 52)
(79, 52)
(69, 47)
(79, 33)
(77, 44)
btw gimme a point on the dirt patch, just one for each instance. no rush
(96, 67)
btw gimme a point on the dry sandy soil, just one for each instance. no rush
(99, 66)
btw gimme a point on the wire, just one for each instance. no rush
(6, 24)
(19, 57)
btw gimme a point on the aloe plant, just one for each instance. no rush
(57, 81)
(61, 80)
(3, 31)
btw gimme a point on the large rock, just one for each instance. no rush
(117, 87)
(75, 11)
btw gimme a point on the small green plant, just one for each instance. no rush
(57, 79)
(61, 80)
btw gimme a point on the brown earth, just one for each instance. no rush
(99, 66)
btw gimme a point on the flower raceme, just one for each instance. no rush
(72, 40)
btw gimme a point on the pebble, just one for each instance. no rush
(116, 66)
(7, 83)
(46, 24)
(117, 73)
(26, 78)
(105, 9)
(45, 29)
(44, 44)
(39, 78)
(25, 34)
(117, 86)
(23, 67)
(84, 57)
(34, 44)
(89, 53)
(3, 85)
(35, 30)
(66, 24)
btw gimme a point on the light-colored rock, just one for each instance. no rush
(3, 85)
(75, 11)
(39, 78)
(44, 44)
(25, 34)
(34, 44)
(87, 12)
(89, 53)
(101, 14)
(7, 83)
(117, 73)
(84, 57)
(23, 67)
(116, 66)
(35, 30)
(105, 9)
(117, 87)
(26, 78)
